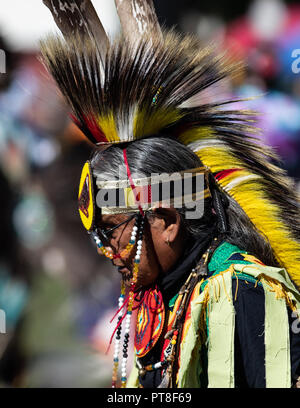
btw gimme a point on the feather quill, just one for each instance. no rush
(78, 17)
(137, 18)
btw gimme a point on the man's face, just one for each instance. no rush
(156, 257)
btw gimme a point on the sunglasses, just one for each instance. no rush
(105, 234)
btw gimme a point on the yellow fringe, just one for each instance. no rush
(274, 286)
(280, 291)
(237, 285)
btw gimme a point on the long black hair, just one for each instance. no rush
(165, 155)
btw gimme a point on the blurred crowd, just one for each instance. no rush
(58, 295)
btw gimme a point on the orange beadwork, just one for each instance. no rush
(122, 254)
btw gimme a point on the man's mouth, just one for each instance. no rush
(126, 273)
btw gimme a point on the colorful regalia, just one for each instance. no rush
(150, 82)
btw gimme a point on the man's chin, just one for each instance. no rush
(127, 276)
(128, 281)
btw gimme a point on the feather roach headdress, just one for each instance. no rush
(149, 82)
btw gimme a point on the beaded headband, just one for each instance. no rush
(117, 196)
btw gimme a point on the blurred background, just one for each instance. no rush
(57, 293)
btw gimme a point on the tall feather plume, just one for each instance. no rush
(161, 90)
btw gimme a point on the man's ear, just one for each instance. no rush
(170, 223)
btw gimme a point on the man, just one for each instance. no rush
(203, 228)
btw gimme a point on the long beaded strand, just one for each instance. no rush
(118, 338)
(130, 304)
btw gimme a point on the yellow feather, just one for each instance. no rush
(108, 126)
(146, 124)
(196, 134)
(233, 176)
(250, 195)
(266, 217)
(218, 159)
